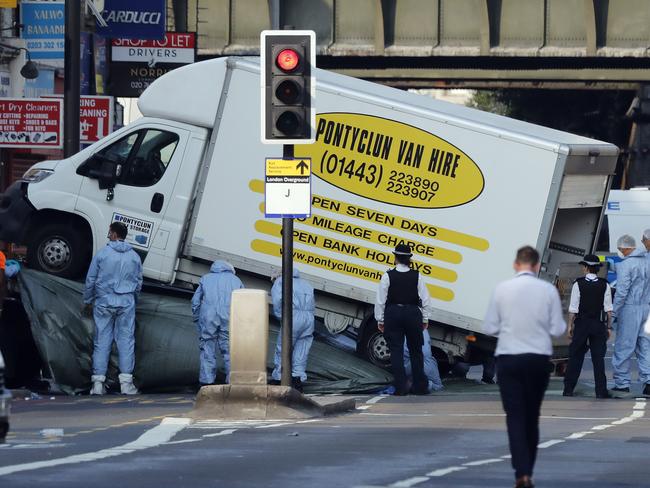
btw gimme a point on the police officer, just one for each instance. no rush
(401, 311)
(590, 323)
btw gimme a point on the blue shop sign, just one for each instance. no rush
(144, 19)
(44, 29)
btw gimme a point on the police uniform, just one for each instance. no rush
(402, 303)
(591, 300)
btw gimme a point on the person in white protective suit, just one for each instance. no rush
(113, 284)
(430, 364)
(211, 314)
(631, 308)
(303, 329)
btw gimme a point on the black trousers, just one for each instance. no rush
(523, 379)
(588, 334)
(405, 322)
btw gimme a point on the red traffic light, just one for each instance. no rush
(287, 60)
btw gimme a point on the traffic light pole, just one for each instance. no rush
(287, 288)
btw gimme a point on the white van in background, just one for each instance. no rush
(628, 212)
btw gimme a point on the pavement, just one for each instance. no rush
(453, 438)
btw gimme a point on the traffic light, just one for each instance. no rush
(287, 69)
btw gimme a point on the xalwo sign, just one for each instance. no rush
(144, 19)
(43, 29)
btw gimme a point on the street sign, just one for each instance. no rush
(144, 19)
(31, 123)
(95, 117)
(288, 188)
(175, 48)
(43, 30)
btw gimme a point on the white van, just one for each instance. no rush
(465, 188)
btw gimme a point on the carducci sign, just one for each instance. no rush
(144, 19)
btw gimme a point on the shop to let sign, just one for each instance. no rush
(31, 123)
(174, 48)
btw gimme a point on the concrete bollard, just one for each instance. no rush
(249, 337)
(248, 396)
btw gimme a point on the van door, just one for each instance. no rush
(145, 165)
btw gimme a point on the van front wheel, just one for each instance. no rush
(59, 251)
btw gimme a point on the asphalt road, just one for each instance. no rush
(456, 438)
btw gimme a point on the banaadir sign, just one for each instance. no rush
(141, 19)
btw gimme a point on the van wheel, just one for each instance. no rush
(59, 251)
(373, 345)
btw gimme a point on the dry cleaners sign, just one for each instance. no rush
(144, 19)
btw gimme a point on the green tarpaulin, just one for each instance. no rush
(166, 343)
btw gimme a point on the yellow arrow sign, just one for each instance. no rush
(288, 167)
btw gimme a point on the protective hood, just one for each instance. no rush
(120, 246)
(638, 253)
(221, 267)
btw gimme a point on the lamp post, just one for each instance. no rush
(29, 70)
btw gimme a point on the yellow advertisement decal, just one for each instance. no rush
(381, 238)
(338, 266)
(354, 250)
(391, 162)
(394, 221)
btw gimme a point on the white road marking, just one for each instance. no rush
(602, 427)
(231, 424)
(579, 435)
(376, 399)
(552, 417)
(364, 407)
(308, 421)
(186, 441)
(550, 443)
(443, 472)
(35, 445)
(483, 462)
(156, 436)
(416, 480)
(280, 424)
(223, 432)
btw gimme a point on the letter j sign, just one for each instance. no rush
(144, 19)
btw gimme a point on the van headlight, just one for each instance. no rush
(35, 175)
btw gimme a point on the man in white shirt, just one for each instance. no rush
(401, 311)
(590, 323)
(524, 312)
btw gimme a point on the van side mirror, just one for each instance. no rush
(105, 171)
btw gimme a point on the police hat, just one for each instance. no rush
(591, 260)
(403, 250)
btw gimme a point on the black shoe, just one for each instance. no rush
(621, 390)
(488, 381)
(646, 389)
(400, 393)
(604, 395)
(296, 383)
(567, 393)
(274, 382)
